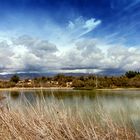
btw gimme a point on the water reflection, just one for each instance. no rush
(56, 94)
(109, 97)
(15, 94)
(112, 102)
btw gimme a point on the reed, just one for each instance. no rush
(55, 122)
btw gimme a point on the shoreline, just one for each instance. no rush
(63, 88)
(36, 88)
(119, 89)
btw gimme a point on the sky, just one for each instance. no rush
(79, 36)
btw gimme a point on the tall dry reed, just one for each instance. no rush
(52, 122)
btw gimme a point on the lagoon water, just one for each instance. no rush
(119, 104)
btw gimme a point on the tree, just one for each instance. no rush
(15, 78)
(59, 77)
(77, 83)
(131, 74)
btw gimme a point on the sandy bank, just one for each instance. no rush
(118, 89)
(36, 88)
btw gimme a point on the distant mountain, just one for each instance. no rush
(33, 75)
(25, 75)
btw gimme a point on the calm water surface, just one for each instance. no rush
(124, 102)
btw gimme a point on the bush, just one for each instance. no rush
(15, 78)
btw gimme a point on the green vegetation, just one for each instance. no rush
(15, 78)
(132, 74)
(130, 79)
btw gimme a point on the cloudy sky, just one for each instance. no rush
(91, 36)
